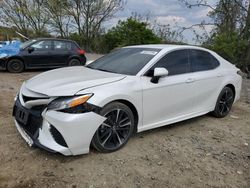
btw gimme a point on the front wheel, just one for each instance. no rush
(116, 130)
(15, 66)
(224, 103)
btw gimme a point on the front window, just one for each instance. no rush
(175, 62)
(42, 45)
(27, 43)
(127, 61)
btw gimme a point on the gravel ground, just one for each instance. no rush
(201, 152)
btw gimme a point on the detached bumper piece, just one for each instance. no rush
(30, 121)
(68, 133)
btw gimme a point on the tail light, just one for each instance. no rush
(81, 52)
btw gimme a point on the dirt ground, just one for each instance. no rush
(201, 152)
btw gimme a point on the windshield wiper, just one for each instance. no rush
(103, 70)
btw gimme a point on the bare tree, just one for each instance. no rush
(59, 21)
(89, 15)
(25, 15)
(35, 14)
(12, 15)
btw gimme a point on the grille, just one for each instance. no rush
(33, 124)
(34, 119)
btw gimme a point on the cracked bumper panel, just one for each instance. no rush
(68, 134)
(76, 129)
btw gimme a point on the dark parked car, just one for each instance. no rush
(44, 53)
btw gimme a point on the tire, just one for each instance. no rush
(74, 62)
(15, 66)
(115, 132)
(224, 103)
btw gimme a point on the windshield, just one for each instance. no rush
(27, 43)
(127, 61)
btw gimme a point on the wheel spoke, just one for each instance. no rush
(118, 137)
(126, 124)
(229, 99)
(226, 93)
(222, 109)
(106, 125)
(123, 120)
(104, 142)
(122, 128)
(105, 133)
(227, 108)
(117, 115)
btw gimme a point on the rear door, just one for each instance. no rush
(60, 53)
(208, 79)
(40, 57)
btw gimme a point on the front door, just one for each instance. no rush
(171, 98)
(39, 57)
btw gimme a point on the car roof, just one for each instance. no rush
(59, 39)
(167, 46)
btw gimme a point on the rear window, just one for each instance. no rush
(62, 45)
(201, 60)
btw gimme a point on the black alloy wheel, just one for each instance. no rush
(116, 130)
(224, 103)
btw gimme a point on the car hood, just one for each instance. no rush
(68, 81)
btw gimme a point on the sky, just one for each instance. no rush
(166, 12)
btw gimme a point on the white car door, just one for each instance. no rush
(171, 99)
(208, 79)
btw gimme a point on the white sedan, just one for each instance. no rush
(130, 90)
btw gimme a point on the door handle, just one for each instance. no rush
(190, 80)
(219, 75)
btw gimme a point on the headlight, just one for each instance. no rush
(68, 102)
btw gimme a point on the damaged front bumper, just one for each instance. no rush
(54, 131)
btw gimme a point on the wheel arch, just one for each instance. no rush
(74, 57)
(15, 57)
(132, 108)
(231, 86)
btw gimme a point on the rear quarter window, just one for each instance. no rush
(201, 60)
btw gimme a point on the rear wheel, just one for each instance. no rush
(224, 103)
(74, 62)
(116, 130)
(15, 66)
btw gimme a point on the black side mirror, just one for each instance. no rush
(31, 49)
